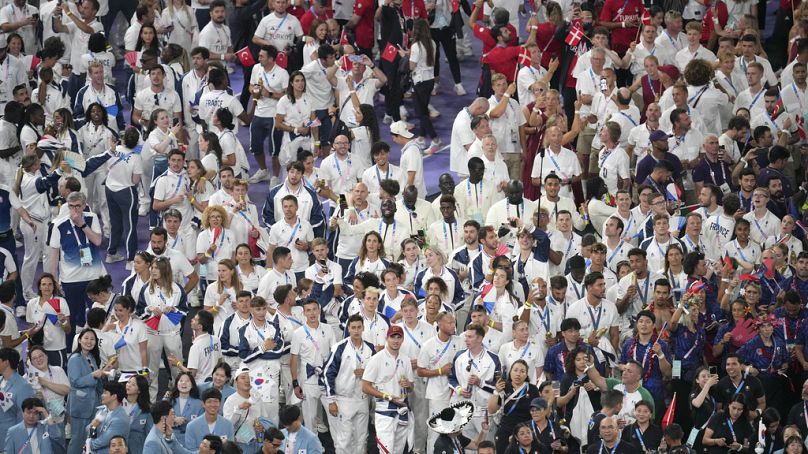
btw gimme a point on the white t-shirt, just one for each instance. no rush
(126, 340)
(295, 114)
(614, 165)
(412, 161)
(423, 71)
(79, 39)
(319, 89)
(506, 128)
(283, 234)
(564, 164)
(276, 80)
(215, 38)
(46, 316)
(205, 353)
(279, 31)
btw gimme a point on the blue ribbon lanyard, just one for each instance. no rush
(294, 231)
(644, 298)
(409, 334)
(639, 437)
(595, 322)
(443, 352)
(732, 431)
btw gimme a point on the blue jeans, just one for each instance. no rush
(123, 207)
(325, 127)
(76, 296)
(262, 128)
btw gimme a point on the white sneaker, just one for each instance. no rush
(459, 90)
(258, 176)
(433, 112)
(129, 266)
(387, 119)
(435, 88)
(143, 210)
(20, 311)
(113, 258)
(402, 112)
(420, 142)
(434, 146)
(274, 181)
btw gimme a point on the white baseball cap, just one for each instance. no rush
(399, 128)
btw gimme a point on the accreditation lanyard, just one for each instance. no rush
(294, 231)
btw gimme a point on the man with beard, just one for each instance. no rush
(778, 204)
(309, 207)
(659, 152)
(778, 158)
(555, 202)
(184, 273)
(392, 230)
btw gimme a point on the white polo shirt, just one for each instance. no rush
(283, 234)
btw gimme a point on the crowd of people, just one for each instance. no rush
(615, 259)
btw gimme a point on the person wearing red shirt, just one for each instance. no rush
(318, 10)
(413, 9)
(622, 18)
(362, 25)
(545, 35)
(485, 34)
(503, 58)
(713, 23)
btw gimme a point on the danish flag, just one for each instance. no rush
(575, 35)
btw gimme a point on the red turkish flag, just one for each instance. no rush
(246, 57)
(575, 35)
(455, 6)
(390, 53)
(282, 60)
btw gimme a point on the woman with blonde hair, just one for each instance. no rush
(162, 305)
(220, 297)
(215, 241)
(184, 29)
(436, 267)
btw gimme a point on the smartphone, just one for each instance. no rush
(603, 85)
(497, 376)
(421, 234)
(353, 58)
(721, 151)
(343, 202)
(175, 122)
(324, 267)
(713, 370)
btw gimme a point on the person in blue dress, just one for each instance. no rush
(110, 422)
(31, 435)
(137, 405)
(221, 376)
(14, 388)
(184, 399)
(162, 438)
(201, 426)
(769, 356)
(85, 387)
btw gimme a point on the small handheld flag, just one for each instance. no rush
(245, 57)
(390, 53)
(575, 35)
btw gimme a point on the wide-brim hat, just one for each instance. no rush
(452, 418)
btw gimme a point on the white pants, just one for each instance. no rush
(34, 246)
(172, 344)
(435, 406)
(390, 435)
(419, 414)
(97, 196)
(349, 429)
(311, 407)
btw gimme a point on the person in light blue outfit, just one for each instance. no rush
(161, 438)
(201, 426)
(31, 435)
(221, 376)
(137, 405)
(54, 386)
(110, 422)
(184, 399)
(14, 388)
(85, 386)
(305, 440)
